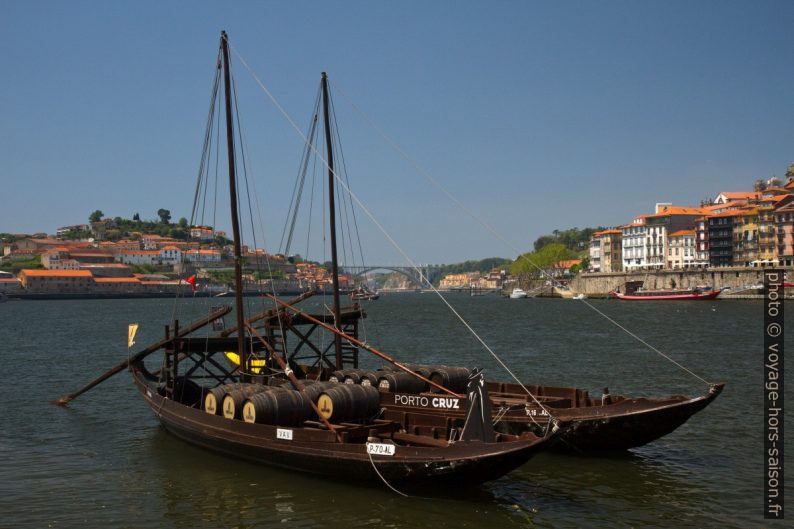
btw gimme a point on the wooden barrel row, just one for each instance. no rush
(453, 378)
(280, 406)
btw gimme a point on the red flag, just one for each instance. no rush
(192, 281)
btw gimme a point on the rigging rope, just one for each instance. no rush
(496, 234)
(389, 237)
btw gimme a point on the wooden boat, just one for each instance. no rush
(336, 430)
(363, 294)
(666, 295)
(638, 294)
(605, 422)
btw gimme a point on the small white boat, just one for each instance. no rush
(579, 296)
(517, 293)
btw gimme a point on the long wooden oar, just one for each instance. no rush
(63, 401)
(359, 343)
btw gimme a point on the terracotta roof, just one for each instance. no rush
(681, 233)
(55, 273)
(117, 280)
(567, 263)
(677, 210)
(139, 252)
(729, 213)
(169, 248)
(739, 195)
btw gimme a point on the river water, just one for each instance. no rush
(105, 462)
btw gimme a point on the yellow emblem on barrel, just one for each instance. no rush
(325, 405)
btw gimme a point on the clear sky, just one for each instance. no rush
(537, 115)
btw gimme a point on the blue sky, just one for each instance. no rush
(537, 115)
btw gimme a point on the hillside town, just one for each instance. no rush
(738, 229)
(144, 264)
(734, 229)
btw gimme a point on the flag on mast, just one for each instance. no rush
(192, 282)
(131, 330)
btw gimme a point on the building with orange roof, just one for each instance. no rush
(682, 251)
(633, 244)
(202, 233)
(745, 196)
(784, 231)
(56, 280)
(606, 251)
(720, 237)
(745, 238)
(203, 256)
(667, 219)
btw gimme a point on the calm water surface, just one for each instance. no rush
(106, 462)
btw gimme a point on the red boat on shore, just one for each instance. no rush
(668, 295)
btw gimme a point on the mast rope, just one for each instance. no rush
(419, 169)
(387, 235)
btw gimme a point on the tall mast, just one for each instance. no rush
(332, 225)
(238, 272)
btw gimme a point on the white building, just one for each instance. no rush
(634, 244)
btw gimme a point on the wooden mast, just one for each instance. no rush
(332, 225)
(238, 273)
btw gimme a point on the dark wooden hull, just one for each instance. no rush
(627, 423)
(316, 451)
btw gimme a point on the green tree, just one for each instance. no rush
(96, 216)
(528, 264)
(183, 223)
(136, 217)
(165, 215)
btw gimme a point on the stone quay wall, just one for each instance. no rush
(600, 284)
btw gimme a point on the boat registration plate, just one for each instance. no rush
(381, 449)
(283, 433)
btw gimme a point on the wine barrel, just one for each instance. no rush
(313, 390)
(233, 399)
(401, 382)
(337, 376)
(452, 378)
(349, 402)
(422, 369)
(213, 397)
(277, 408)
(365, 377)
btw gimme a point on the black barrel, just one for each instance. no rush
(234, 398)
(313, 389)
(349, 402)
(277, 408)
(452, 378)
(337, 376)
(366, 377)
(401, 382)
(213, 397)
(422, 369)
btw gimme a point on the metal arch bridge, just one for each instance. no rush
(430, 272)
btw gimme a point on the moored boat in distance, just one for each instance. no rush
(697, 293)
(518, 293)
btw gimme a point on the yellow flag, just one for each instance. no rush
(131, 330)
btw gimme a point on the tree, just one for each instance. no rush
(759, 185)
(183, 223)
(96, 216)
(136, 218)
(165, 215)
